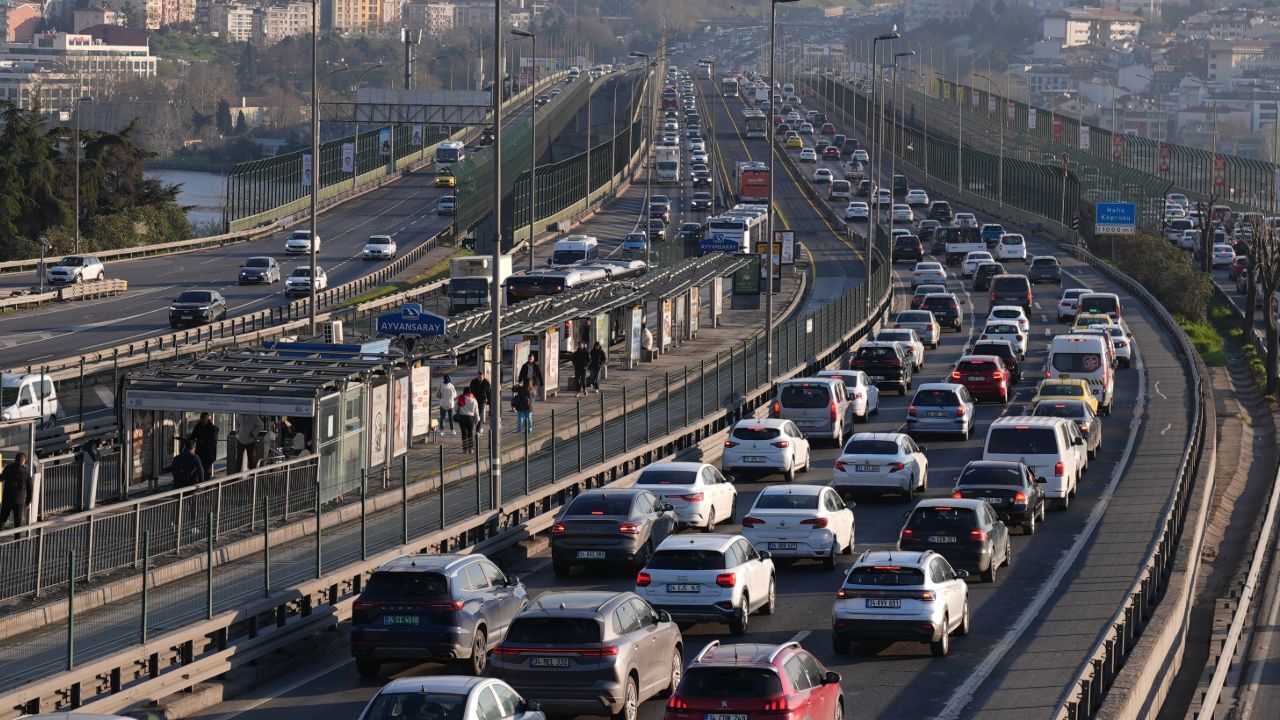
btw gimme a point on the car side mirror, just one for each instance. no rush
(664, 616)
(513, 581)
(1077, 441)
(766, 555)
(668, 507)
(962, 574)
(1041, 480)
(831, 678)
(532, 706)
(923, 448)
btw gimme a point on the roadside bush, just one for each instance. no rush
(1166, 273)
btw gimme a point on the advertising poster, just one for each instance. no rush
(348, 157)
(400, 414)
(634, 338)
(551, 363)
(1219, 171)
(421, 401)
(417, 136)
(519, 356)
(1164, 158)
(306, 170)
(384, 141)
(787, 238)
(1057, 128)
(600, 328)
(1031, 118)
(975, 100)
(376, 432)
(991, 104)
(695, 308)
(1010, 110)
(1117, 147)
(717, 299)
(666, 325)
(1084, 137)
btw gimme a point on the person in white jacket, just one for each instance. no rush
(446, 400)
(467, 414)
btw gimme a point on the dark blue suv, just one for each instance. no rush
(447, 608)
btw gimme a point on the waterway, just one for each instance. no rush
(202, 193)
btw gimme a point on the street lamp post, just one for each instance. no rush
(648, 144)
(79, 155)
(495, 282)
(768, 233)
(315, 163)
(1000, 168)
(874, 135)
(897, 139)
(924, 118)
(533, 140)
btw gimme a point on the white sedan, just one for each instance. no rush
(1009, 332)
(1069, 303)
(760, 446)
(700, 495)
(1189, 239)
(800, 521)
(1122, 341)
(906, 337)
(1223, 255)
(379, 247)
(965, 220)
(923, 322)
(928, 272)
(300, 242)
(808, 155)
(696, 144)
(973, 260)
(881, 462)
(1013, 314)
(916, 196)
(861, 156)
(902, 213)
(857, 211)
(699, 156)
(884, 199)
(862, 392)
(822, 176)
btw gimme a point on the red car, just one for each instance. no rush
(831, 152)
(1239, 266)
(985, 376)
(828, 129)
(754, 681)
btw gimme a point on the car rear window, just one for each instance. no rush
(687, 560)
(667, 477)
(1044, 262)
(1013, 283)
(894, 335)
(939, 304)
(1022, 440)
(1066, 389)
(907, 241)
(554, 631)
(936, 398)
(1068, 409)
(1098, 304)
(1006, 314)
(406, 585)
(1001, 350)
(732, 681)
(403, 705)
(755, 432)
(1076, 362)
(871, 447)
(987, 475)
(884, 575)
(942, 517)
(600, 504)
(977, 366)
(913, 317)
(877, 353)
(1012, 240)
(787, 501)
(805, 395)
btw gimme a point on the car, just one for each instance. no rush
(709, 578)
(923, 322)
(840, 190)
(861, 156)
(196, 307)
(838, 140)
(76, 269)
(300, 241)
(922, 291)
(447, 205)
(379, 247)
(945, 308)
(696, 144)
(795, 143)
(699, 156)
(1011, 289)
(1011, 313)
(1178, 199)
(909, 339)
(1044, 268)
(928, 272)
(828, 129)
(1121, 341)
(965, 220)
(610, 527)
(984, 376)
(446, 180)
(885, 363)
(901, 213)
(973, 259)
(831, 152)
(1069, 303)
(965, 532)
(822, 176)
(670, 140)
(806, 128)
(926, 228)
(1087, 319)
(945, 408)
(1052, 447)
(1188, 240)
(635, 244)
(983, 274)
(590, 652)
(881, 462)
(1079, 412)
(1239, 267)
(1223, 256)
(800, 521)
(259, 269)
(751, 680)
(700, 178)
(907, 247)
(1011, 246)
(1007, 331)
(820, 146)
(793, 117)
(1010, 488)
(857, 211)
(916, 197)
(445, 608)
(896, 595)
(820, 407)
(762, 446)
(808, 155)
(700, 495)
(785, 130)
(1174, 212)
(863, 394)
(449, 696)
(299, 280)
(866, 188)
(1004, 350)
(940, 210)
(884, 199)
(700, 201)
(670, 125)
(657, 229)
(1055, 389)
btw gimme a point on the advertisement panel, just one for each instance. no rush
(400, 417)
(348, 157)
(520, 356)
(1031, 118)
(1219, 172)
(550, 361)
(1165, 157)
(695, 308)
(1117, 147)
(1084, 137)
(991, 104)
(306, 170)
(1057, 128)
(376, 432)
(634, 337)
(666, 325)
(786, 238)
(384, 141)
(1010, 110)
(422, 400)
(417, 136)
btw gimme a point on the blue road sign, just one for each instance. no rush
(411, 320)
(711, 245)
(1115, 218)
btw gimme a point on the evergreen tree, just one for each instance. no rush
(241, 125)
(223, 117)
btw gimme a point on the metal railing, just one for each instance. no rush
(63, 483)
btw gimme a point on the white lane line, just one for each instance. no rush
(1157, 389)
(282, 691)
(800, 636)
(1166, 428)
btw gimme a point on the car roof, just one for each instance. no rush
(1007, 307)
(757, 654)
(715, 542)
(754, 422)
(453, 684)
(910, 558)
(890, 436)
(992, 464)
(425, 563)
(792, 490)
(971, 503)
(628, 492)
(678, 466)
(583, 602)
(952, 387)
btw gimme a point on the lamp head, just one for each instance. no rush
(521, 33)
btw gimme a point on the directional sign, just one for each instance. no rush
(411, 320)
(1115, 218)
(723, 245)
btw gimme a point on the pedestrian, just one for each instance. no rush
(446, 399)
(531, 372)
(186, 468)
(466, 415)
(480, 389)
(248, 427)
(598, 361)
(205, 435)
(646, 342)
(522, 403)
(18, 491)
(581, 359)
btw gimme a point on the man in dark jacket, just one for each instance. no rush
(205, 436)
(480, 388)
(187, 469)
(16, 499)
(598, 360)
(531, 372)
(581, 359)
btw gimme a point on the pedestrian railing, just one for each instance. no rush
(64, 486)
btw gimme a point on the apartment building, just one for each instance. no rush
(235, 22)
(60, 67)
(918, 12)
(1079, 26)
(281, 21)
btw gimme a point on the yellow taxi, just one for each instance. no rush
(446, 180)
(795, 143)
(1086, 320)
(1066, 389)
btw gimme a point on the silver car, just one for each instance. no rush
(819, 406)
(945, 408)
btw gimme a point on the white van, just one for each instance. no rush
(1086, 357)
(1052, 447)
(572, 248)
(1101, 303)
(20, 397)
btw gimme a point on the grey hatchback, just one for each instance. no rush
(610, 527)
(590, 653)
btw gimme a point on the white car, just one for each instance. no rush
(1007, 331)
(908, 339)
(808, 155)
(800, 521)
(762, 446)
(1178, 199)
(76, 269)
(1223, 255)
(928, 272)
(300, 241)
(1013, 314)
(806, 129)
(881, 462)
(1173, 211)
(1189, 240)
(1011, 246)
(884, 199)
(965, 220)
(861, 156)
(916, 196)
(696, 144)
(822, 176)
(923, 322)
(973, 260)
(698, 156)
(857, 211)
(299, 281)
(902, 213)
(901, 595)
(670, 140)
(670, 125)
(379, 247)
(793, 117)
(700, 495)
(862, 392)
(709, 578)
(458, 697)
(1121, 340)
(1069, 303)
(447, 205)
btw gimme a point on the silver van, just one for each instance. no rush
(819, 406)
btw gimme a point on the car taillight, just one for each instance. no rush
(996, 375)
(993, 296)
(1058, 469)
(897, 326)
(749, 521)
(643, 579)
(815, 522)
(840, 465)
(777, 705)
(893, 467)
(557, 529)
(957, 495)
(781, 444)
(1029, 298)
(833, 410)
(693, 497)
(504, 650)
(894, 363)
(960, 411)
(955, 374)
(1019, 498)
(911, 411)
(978, 535)
(602, 651)
(629, 529)
(677, 703)
(777, 409)
(730, 444)
(983, 337)
(726, 580)
(907, 535)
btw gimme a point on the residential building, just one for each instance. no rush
(1077, 26)
(472, 14)
(362, 16)
(235, 23)
(282, 21)
(434, 18)
(919, 12)
(96, 15)
(61, 67)
(1228, 59)
(19, 21)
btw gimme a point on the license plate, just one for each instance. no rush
(399, 619)
(996, 500)
(942, 538)
(723, 716)
(884, 602)
(937, 413)
(976, 378)
(867, 468)
(755, 459)
(782, 546)
(682, 588)
(590, 554)
(555, 662)
(876, 377)
(1064, 376)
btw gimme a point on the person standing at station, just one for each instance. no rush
(531, 372)
(480, 389)
(15, 499)
(205, 435)
(522, 404)
(186, 467)
(598, 361)
(248, 428)
(468, 410)
(581, 359)
(646, 342)
(446, 400)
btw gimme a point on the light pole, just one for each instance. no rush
(768, 232)
(355, 161)
(895, 141)
(924, 117)
(1000, 168)
(873, 137)
(315, 163)
(495, 282)
(533, 140)
(648, 147)
(79, 155)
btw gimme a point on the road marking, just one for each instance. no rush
(800, 636)
(1157, 389)
(276, 693)
(1166, 428)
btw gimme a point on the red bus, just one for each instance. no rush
(753, 182)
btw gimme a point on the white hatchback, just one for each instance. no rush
(863, 393)
(973, 260)
(709, 578)
(1013, 314)
(1011, 246)
(923, 322)
(857, 211)
(928, 272)
(700, 495)
(902, 213)
(766, 445)
(1069, 303)
(901, 595)
(881, 462)
(822, 176)
(800, 521)
(1121, 340)
(300, 241)
(1223, 255)
(1007, 331)
(916, 196)
(808, 155)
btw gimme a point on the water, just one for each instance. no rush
(204, 192)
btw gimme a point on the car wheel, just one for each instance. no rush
(560, 567)
(772, 603)
(829, 562)
(739, 622)
(368, 668)
(1008, 553)
(989, 575)
(1029, 525)
(677, 672)
(479, 655)
(942, 645)
(963, 627)
(630, 702)
(711, 521)
(1042, 512)
(808, 458)
(1064, 502)
(909, 495)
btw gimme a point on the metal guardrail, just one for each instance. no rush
(62, 482)
(78, 291)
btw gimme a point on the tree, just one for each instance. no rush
(1266, 270)
(241, 125)
(222, 119)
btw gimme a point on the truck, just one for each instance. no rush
(959, 242)
(667, 161)
(469, 279)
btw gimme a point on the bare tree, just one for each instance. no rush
(1206, 235)
(1265, 265)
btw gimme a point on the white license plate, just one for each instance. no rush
(723, 716)
(884, 602)
(867, 468)
(554, 662)
(942, 538)
(937, 414)
(682, 588)
(782, 546)
(590, 554)
(755, 459)
(976, 378)
(876, 377)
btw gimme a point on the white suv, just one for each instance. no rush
(77, 268)
(700, 495)
(901, 595)
(709, 578)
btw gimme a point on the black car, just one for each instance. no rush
(701, 178)
(610, 528)
(899, 185)
(657, 230)
(926, 229)
(689, 232)
(700, 202)
(197, 307)
(1011, 488)
(885, 363)
(982, 276)
(1044, 268)
(838, 140)
(946, 310)
(967, 532)
(940, 210)
(907, 247)
(1011, 290)
(1004, 350)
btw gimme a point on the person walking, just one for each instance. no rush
(247, 429)
(480, 389)
(581, 359)
(531, 372)
(522, 404)
(466, 415)
(598, 361)
(446, 400)
(646, 342)
(15, 500)
(205, 435)
(186, 468)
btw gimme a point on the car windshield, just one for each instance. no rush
(301, 272)
(805, 395)
(958, 518)
(554, 631)
(787, 501)
(195, 296)
(936, 398)
(990, 475)
(667, 477)
(71, 262)
(406, 586)
(1062, 389)
(884, 575)
(731, 681)
(1070, 409)
(600, 504)
(1021, 440)
(1076, 362)
(687, 560)
(871, 447)
(379, 241)
(414, 705)
(258, 262)
(755, 432)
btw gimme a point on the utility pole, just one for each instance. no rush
(315, 161)
(495, 296)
